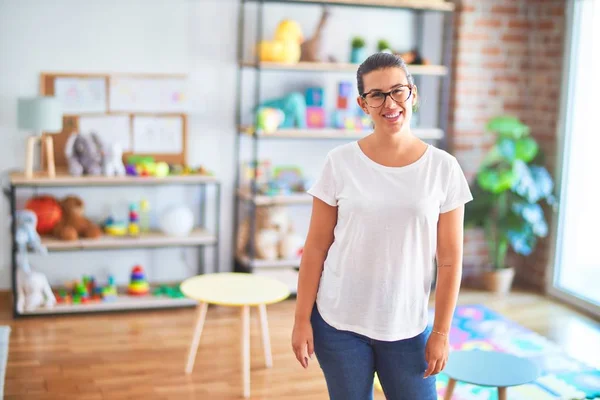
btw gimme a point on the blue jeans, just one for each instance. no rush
(349, 362)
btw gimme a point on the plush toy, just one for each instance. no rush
(285, 46)
(33, 289)
(84, 155)
(112, 160)
(274, 238)
(294, 109)
(73, 223)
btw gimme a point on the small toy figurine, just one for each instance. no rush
(33, 288)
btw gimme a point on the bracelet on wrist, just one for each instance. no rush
(439, 333)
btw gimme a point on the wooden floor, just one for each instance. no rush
(142, 355)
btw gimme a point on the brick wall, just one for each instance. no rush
(507, 60)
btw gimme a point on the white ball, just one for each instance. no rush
(178, 221)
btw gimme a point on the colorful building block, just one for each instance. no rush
(315, 117)
(344, 95)
(314, 97)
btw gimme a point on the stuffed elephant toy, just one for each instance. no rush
(84, 154)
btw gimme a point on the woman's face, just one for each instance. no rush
(392, 113)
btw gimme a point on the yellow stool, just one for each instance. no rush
(235, 290)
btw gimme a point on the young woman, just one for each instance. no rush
(385, 208)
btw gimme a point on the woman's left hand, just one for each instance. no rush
(436, 353)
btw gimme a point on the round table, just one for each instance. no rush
(488, 368)
(235, 290)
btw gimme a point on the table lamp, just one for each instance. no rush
(40, 114)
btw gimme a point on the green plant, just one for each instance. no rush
(508, 192)
(383, 44)
(358, 42)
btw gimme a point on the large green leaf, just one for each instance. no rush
(526, 149)
(496, 180)
(532, 182)
(508, 126)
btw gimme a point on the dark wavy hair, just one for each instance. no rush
(379, 61)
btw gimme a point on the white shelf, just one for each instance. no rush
(333, 133)
(121, 302)
(152, 239)
(264, 200)
(430, 70)
(287, 276)
(433, 5)
(266, 264)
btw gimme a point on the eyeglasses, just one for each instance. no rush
(377, 98)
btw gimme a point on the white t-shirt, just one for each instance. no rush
(378, 272)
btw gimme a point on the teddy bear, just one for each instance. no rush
(73, 224)
(274, 235)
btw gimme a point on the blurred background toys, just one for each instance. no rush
(32, 286)
(269, 119)
(315, 111)
(83, 154)
(285, 45)
(273, 181)
(293, 106)
(311, 48)
(137, 221)
(47, 210)
(138, 285)
(347, 114)
(86, 290)
(136, 165)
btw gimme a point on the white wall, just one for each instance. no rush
(174, 36)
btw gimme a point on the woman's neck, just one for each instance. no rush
(397, 141)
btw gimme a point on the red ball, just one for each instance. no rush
(48, 212)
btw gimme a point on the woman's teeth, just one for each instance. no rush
(392, 116)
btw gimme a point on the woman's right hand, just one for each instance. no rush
(302, 341)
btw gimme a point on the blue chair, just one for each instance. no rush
(488, 368)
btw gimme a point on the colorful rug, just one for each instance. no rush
(477, 327)
(4, 336)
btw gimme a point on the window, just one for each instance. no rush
(576, 275)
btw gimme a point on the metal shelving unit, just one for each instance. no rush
(250, 197)
(200, 237)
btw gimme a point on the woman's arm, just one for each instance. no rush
(449, 259)
(318, 241)
(450, 235)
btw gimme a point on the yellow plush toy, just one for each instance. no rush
(285, 47)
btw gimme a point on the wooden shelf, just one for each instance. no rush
(267, 264)
(333, 133)
(433, 5)
(433, 70)
(264, 200)
(64, 179)
(120, 303)
(151, 239)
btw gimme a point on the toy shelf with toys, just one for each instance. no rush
(321, 107)
(46, 225)
(88, 295)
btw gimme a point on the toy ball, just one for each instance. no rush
(269, 119)
(178, 221)
(161, 169)
(48, 212)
